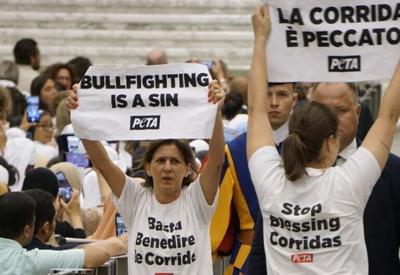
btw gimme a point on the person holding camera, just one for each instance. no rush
(17, 227)
(44, 179)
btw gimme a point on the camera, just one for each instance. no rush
(64, 188)
(32, 109)
(119, 225)
(73, 156)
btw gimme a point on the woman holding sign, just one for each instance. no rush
(313, 212)
(168, 217)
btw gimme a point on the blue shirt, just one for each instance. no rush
(15, 260)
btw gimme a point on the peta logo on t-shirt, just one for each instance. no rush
(302, 258)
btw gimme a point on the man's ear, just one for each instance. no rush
(358, 110)
(32, 60)
(46, 227)
(295, 97)
(28, 231)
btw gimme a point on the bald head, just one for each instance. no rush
(156, 57)
(348, 86)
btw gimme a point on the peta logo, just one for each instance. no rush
(145, 122)
(302, 258)
(350, 63)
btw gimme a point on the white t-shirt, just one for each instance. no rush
(44, 152)
(90, 195)
(315, 225)
(166, 238)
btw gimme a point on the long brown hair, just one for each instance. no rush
(309, 126)
(186, 152)
(5, 103)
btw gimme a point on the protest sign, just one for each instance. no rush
(144, 103)
(342, 40)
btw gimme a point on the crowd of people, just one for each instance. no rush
(296, 178)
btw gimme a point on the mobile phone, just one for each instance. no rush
(120, 227)
(73, 156)
(208, 63)
(32, 109)
(64, 188)
(77, 159)
(72, 144)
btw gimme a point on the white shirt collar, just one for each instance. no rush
(345, 154)
(349, 150)
(281, 133)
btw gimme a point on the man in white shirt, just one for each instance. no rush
(27, 56)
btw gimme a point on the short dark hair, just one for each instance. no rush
(45, 210)
(233, 103)
(186, 152)
(79, 65)
(24, 49)
(309, 126)
(272, 84)
(17, 210)
(41, 178)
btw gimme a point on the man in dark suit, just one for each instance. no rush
(382, 213)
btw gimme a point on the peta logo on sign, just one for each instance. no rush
(302, 258)
(350, 63)
(145, 122)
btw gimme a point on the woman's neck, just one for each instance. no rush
(319, 164)
(166, 196)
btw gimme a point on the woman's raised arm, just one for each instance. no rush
(259, 131)
(210, 175)
(113, 175)
(380, 137)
